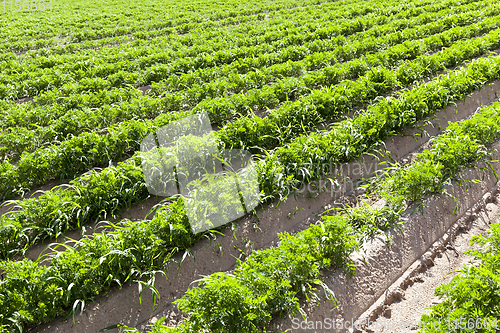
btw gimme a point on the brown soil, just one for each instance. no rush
(418, 296)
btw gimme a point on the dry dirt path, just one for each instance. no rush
(403, 314)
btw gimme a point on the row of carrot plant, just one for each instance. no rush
(357, 8)
(201, 71)
(74, 122)
(20, 116)
(278, 26)
(470, 301)
(64, 21)
(91, 149)
(175, 60)
(24, 114)
(268, 284)
(96, 194)
(219, 49)
(26, 141)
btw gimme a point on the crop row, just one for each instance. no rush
(16, 140)
(65, 21)
(328, 104)
(356, 9)
(144, 56)
(141, 37)
(350, 138)
(264, 32)
(267, 284)
(91, 149)
(420, 26)
(96, 194)
(22, 115)
(165, 63)
(170, 42)
(470, 300)
(87, 87)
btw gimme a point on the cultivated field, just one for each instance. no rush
(368, 131)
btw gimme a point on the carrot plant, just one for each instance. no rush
(278, 172)
(351, 138)
(242, 302)
(72, 88)
(325, 105)
(92, 197)
(89, 115)
(292, 282)
(51, 76)
(19, 139)
(268, 282)
(462, 144)
(134, 251)
(291, 119)
(470, 301)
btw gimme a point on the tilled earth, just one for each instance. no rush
(404, 313)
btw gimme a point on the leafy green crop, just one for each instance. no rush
(321, 105)
(471, 301)
(247, 300)
(302, 83)
(282, 169)
(269, 281)
(65, 123)
(135, 251)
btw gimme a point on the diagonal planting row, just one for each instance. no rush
(63, 122)
(282, 28)
(270, 281)
(171, 82)
(226, 70)
(275, 173)
(357, 8)
(64, 21)
(160, 64)
(24, 115)
(38, 167)
(221, 109)
(182, 58)
(470, 300)
(91, 149)
(99, 193)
